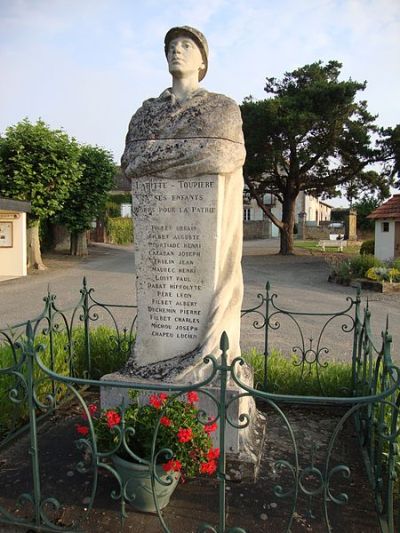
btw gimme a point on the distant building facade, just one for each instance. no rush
(312, 209)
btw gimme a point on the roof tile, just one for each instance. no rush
(390, 209)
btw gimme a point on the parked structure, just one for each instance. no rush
(13, 237)
(387, 228)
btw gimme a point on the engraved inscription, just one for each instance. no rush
(176, 222)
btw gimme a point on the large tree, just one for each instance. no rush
(391, 147)
(41, 166)
(88, 197)
(311, 135)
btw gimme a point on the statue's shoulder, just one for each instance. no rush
(221, 98)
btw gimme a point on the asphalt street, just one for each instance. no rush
(300, 283)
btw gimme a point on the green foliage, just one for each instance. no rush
(178, 426)
(284, 377)
(120, 230)
(391, 147)
(351, 268)
(364, 207)
(120, 198)
(311, 135)
(38, 165)
(88, 196)
(383, 274)
(108, 354)
(112, 209)
(108, 351)
(368, 247)
(13, 415)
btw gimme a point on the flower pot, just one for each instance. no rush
(136, 479)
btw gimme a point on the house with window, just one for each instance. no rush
(13, 215)
(387, 228)
(312, 209)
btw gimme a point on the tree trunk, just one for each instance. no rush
(34, 255)
(286, 231)
(79, 244)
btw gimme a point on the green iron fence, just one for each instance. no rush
(49, 374)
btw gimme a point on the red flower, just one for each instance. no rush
(157, 400)
(185, 434)
(165, 421)
(209, 428)
(208, 468)
(82, 430)
(113, 418)
(213, 453)
(192, 397)
(92, 409)
(173, 464)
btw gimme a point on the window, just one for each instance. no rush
(246, 214)
(385, 227)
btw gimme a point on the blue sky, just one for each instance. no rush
(87, 65)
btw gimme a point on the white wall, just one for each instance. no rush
(384, 241)
(13, 260)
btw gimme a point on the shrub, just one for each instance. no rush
(344, 270)
(121, 198)
(108, 352)
(120, 230)
(107, 355)
(112, 209)
(359, 265)
(367, 247)
(284, 377)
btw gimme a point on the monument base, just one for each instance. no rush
(244, 425)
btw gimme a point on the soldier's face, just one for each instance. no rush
(184, 57)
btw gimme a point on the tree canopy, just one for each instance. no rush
(60, 178)
(41, 166)
(38, 165)
(311, 135)
(89, 194)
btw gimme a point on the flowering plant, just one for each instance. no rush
(383, 274)
(182, 442)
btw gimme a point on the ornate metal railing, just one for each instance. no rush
(310, 348)
(47, 379)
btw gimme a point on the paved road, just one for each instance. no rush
(300, 282)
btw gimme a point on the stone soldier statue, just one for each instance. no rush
(188, 134)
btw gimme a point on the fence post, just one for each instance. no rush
(266, 335)
(356, 335)
(394, 405)
(29, 350)
(86, 324)
(221, 474)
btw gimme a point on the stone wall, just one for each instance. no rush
(256, 229)
(316, 232)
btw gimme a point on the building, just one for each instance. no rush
(13, 237)
(387, 228)
(315, 211)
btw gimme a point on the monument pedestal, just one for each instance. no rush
(244, 425)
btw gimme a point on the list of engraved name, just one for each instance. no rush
(175, 252)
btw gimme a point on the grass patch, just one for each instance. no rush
(285, 376)
(108, 354)
(313, 246)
